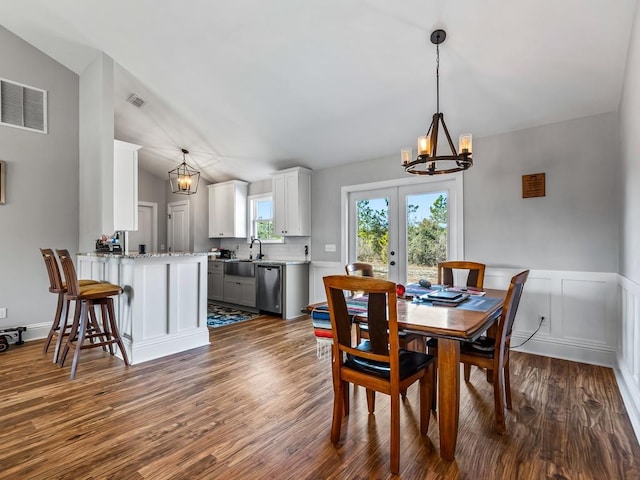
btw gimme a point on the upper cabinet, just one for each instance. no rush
(228, 209)
(292, 202)
(125, 185)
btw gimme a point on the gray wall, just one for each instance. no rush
(575, 227)
(42, 184)
(153, 189)
(630, 155)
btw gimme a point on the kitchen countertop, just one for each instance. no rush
(144, 255)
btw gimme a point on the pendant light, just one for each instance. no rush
(184, 178)
(428, 162)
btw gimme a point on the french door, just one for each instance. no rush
(404, 231)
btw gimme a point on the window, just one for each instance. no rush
(261, 208)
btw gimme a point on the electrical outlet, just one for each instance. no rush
(3, 312)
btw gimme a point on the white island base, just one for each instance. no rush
(163, 309)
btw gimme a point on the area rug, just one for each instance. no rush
(220, 315)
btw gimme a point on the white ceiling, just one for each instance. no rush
(253, 86)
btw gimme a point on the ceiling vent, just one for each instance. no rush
(135, 100)
(22, 106)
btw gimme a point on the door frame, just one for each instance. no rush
(453, 183)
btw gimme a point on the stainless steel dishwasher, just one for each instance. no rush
(270, 288)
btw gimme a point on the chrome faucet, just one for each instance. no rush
(254, 239)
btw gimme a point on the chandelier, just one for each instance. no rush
(428, 162)
(184, 178)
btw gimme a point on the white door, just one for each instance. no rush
(404, 231)
(178, 226)
(147, 233)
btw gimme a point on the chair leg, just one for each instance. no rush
(426, 396)
(499, 400)
(336, 422)
(467, 372)
(507, 384)
(109, 333)
(371, 400)
(55, 326)
(345, 397)
(72, 333)
(116, 333)
(82, 329)
(62, 329)
(96, 330)
(395, 433)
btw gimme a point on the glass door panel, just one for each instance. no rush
(372, 220)
(426, 235)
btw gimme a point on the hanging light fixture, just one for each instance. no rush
(184, 178)
(428, 162)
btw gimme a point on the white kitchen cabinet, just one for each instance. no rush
(228, 209)
(292, 202)
(125, 185)
(240, 290)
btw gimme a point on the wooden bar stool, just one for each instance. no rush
(57, 286)
(87, 298)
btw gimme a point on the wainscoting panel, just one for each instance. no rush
(628, 360)
(316, 272)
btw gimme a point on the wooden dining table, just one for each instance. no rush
(451, 326)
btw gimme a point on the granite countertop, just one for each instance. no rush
(144, 255)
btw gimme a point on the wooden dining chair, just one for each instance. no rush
(378, 364)
(475, 278)
(410, 340)
(446, 276)
(493, 353)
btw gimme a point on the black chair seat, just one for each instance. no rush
(483, 346)
(410, 362)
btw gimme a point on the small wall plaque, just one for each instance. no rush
(533, 185)
(3, 181)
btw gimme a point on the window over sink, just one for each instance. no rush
(261, 219)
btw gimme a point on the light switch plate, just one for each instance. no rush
(3, 312)
(330, 247)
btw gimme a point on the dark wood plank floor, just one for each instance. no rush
(257, 404)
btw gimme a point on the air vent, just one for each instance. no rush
(135, 100)
(22, 106)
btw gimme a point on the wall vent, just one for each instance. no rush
(22, 106)
(135, 100)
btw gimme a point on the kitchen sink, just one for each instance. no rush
(240, 268)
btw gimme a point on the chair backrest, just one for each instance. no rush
(382, 318)
(363, 269)
(475, 279)
(55, 280)
(509, 310)
(73, 288)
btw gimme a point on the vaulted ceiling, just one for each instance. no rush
(253, 86)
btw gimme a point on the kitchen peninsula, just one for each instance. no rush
(163, 309)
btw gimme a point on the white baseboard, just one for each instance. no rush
(561, 348)
(631, 397)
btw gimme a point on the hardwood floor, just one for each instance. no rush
(257, 404)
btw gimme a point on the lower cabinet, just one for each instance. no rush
(240, 290)
(215, 281)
